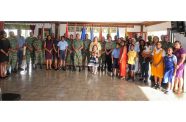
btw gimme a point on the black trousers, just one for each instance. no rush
(109, 62)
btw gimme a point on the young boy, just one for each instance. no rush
(115, 59)
(132, 55)
(170, 62)
(62, 50)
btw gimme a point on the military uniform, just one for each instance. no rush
(108, 59)
(29, 53)
(166, 45)
(77, 54)
(113, 44)
(38, 50)
(13, 54)
(70, 56)
(85, 51)
(102, 56)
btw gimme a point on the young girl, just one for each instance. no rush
(157, 68)
(94, 59)
(170, 69)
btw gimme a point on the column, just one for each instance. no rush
(57, 31)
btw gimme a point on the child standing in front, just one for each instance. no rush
(170, 62)
(132, 55)
(115, 59)
(94, 59)
(62, 50)
(157, 67)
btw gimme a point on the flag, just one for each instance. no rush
(83, 33)
(74, 31)
(66, 33)
(100, 34)
(91, 33)
(117, 32)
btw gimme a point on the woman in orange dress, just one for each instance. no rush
(123, 60)
(157, 67)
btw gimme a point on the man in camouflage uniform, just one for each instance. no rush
(102, 63)
(108, 50)
(77, 47)
(166, 43)
(85, 51)
(13, 51)
(114, 41)
(38, 50)
(70, 53)
(29, 49)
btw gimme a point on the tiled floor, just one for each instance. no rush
(79, 86)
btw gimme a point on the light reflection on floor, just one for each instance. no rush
(83, 86)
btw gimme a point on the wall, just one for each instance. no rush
(158, 27)
(135, 29)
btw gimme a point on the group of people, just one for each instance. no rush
(121, 57)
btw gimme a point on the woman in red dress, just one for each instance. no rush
(123, 60)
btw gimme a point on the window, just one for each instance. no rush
(8, 30)
(24, 33)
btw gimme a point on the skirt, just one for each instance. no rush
(48, 56)
(3, 58)
(168, 76)
(179, 72)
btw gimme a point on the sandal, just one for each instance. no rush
(122, 78)
(179, 91)
(175, 90)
